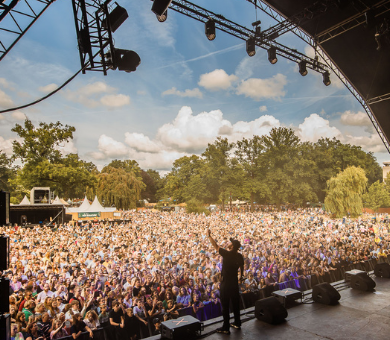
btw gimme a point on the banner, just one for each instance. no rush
(89, 214)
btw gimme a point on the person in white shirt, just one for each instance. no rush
(46, 292)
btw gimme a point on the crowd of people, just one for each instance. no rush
(128, 277)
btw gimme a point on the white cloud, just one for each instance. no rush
(5, 84)
(217, 80)
(309, 51)
(263, 108)
(187, 93)
(355, 119)
(5, 100)
(92, 95)
(2, 116)
(18, 115)
(115, 100)
(6, 145)
(67, 148)
(48, 88)
(371, 143)
(257, 89)
(110, 148)
(315, 127)
(142, 143)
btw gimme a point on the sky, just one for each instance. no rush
(186, 92)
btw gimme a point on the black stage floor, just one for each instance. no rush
(359, 315)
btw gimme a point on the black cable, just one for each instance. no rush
(45, 97)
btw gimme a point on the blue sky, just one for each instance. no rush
(186, 92)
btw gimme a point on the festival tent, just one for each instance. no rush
(94, 211)
(25, 201)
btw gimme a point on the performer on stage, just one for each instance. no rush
(232, 260)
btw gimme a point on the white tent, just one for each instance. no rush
(56, 201)
(25, 201)
(95, 206)
(82, 208)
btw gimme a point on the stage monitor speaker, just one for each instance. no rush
(382, 270)
(184, 327)
(4, 208)
(4, 253)
(270, 310)
(4, 296)
(326, 294)
(5, 326)
(160, 6)
(362, 281)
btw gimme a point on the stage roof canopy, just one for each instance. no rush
(346, 30)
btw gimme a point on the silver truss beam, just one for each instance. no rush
(16, 20)
(378, 99)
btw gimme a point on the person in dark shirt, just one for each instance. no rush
(131, 324)
(232, 261)
(117, 320)
(78, 327)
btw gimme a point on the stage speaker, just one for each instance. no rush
(362, 281)
(4, 296)
(326, 294)
(4, 253)
(382, 270)
(184, 327)
(160, 6)
(4, 208)
(270, 310)
(5, 326)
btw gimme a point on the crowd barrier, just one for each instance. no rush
(248, 299)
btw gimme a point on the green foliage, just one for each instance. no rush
(345, 192)
(7, 172)
(376, 196)
(120, 185)
(196, 207)
(152, 181)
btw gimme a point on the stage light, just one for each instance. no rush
(272, 55)
(123, 60)
(302, 68)
(117, 17)
(160, 6)
(210, 29)
(251, 46)
(163, 17)
(326, 78)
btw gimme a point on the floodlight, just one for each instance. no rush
(210, 29)
(123, 60)
(163, 17)
(160, 6)
(272, 55)
(302, 68)
(326, 78)
(251, 46)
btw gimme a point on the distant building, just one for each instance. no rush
(386, 169)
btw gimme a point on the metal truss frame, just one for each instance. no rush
(261, 40)
(93, 34)
(16, 18)
(299, 32)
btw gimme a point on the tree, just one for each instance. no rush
(217, 158)
(344, 195)
(152, 181)
(7, 172)
(376, 196)
(249, 154)
(120, 185)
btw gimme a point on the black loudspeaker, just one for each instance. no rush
(184, 327)
(5, 326)
(382, 270)
(326, 294)
(4, 208)
(4, 296)
(270, 310)
(362, 281)
(4, 253)
(160, 6)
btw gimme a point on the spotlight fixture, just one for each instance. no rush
(163, 17)
(251, 46)
(123, 60)
(326, 78)
(272, 55)
(160, 6)
(210, 29)
(116, 18)
(302, 68)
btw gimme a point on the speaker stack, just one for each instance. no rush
(326, 294)
(5, 319)
(382, 270)
(359, 280)
(270, 310)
